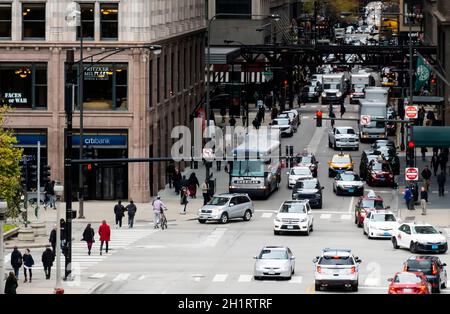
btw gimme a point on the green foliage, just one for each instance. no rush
(336, 7)
(10, 188)
(6, 228)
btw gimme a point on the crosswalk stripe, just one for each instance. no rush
(325, 216)
(296, 279)
(220, 278)
(245, 278)
(267, 215)
(346, 217)
(121, 277)
(142, 277)
(97, 276)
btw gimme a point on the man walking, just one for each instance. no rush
(424, 200)
(16, 261)
(435, 163)
(50, 192)
(342, 109)
(119, 213)
(177, 180)
(52, 239)
(158, 205)
(441, 179)
(408, 197)
(131, 209)
(443, 160)
(332, 116)
(426, 175)
(105, 235)
(47, 261)
(205, 192)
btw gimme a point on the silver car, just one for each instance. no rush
(224, 207)
(274, 261)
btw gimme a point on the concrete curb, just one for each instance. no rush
(10, 233)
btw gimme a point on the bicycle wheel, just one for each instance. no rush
(165, 223)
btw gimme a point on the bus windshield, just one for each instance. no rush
(248, 168)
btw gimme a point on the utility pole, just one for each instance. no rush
(81, 133)
(38, 187)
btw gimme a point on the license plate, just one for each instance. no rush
(434, 247)
(407, 290)
(271, 273)
(290, 227)
(387, 234)
(351, 190)
(382, 179)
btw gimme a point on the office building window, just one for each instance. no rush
(234, 7)
(172, 74)
(178, 70)
(158, 76)
(412, 6)
(185, 62)
(109, 21)
(165, 77)
(23, 85)
(150, 80)
(5, 21)
(87, 20)
(33, 18)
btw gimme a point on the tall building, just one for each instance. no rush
(131, 99)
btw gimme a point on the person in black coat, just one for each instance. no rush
(177, 180)
(16, 261)
(28, 263)
(441, 179)
(52, 239)
(88, 236)
(119, 213)
(47, 261)
(435, 163)
(443, 160)
(11, 284)
(131, 209)
(333, 116)
(342, 110)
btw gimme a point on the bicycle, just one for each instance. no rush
(163, 220)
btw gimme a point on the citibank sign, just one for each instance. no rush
(97, 141)
(101, 140)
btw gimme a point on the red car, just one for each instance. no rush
(367, 204)
(409, 283)
(380, 174)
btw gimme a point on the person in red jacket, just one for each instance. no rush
(105, 235)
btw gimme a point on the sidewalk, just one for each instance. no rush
(42, 286)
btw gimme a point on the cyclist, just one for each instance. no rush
(158, 207)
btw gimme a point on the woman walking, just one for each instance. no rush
(105, 235)
(88, 236)
(192, 185)
(28, 263)
(184, 199)
(11, 284)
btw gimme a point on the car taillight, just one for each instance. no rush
(392, 290)
(423, 289)
(434, 270)
(353, 269)
(319, 269)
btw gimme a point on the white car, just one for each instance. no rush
(298, 173)
(274, 261)
(294, 216)
(380, 224)
(343, 137)
(284, 126)
(419, 237)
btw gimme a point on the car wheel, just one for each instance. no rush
(256, 277)
(360, 225)
(224, 218)
(394, 243)
(293, 271)
(437, 289)
(356, 219)
(308, 231)
(330, 175)
(320, 205)
(412, 247)
(202, 221)
(329, 144)
(312, 228)
(334, 145)
(317, 287)
(247, 215)
(275, 232)
(355, 287)
(444, 285)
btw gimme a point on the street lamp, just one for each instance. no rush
(3, 207)
(58, 287)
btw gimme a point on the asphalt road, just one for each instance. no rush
(218, 259)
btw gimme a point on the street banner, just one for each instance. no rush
(423, 72)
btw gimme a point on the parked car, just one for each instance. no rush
(274, 261)
(336, 267)
(431, 267)
(343, 137)
(224, 207)
(308, 189)
(365, 205)
(409, 283)
(348, 183)
(306, 159)
(294, 216)
(380, 224)
(419, 237)
(297, 173)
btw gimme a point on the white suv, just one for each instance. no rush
(294, 216)
(224, 207)
(336, 267)
(419, 237)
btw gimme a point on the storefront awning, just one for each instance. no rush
(428, 100)
(222, 55)
(431, 136)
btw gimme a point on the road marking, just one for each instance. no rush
(373, 288)
(325, 216)
(372, 281)
(306, 117)
(350, 207)
(346, 217)
(296, 279)
(121, 277)
(198, 277)
(142, 277)
(328, 212)
(214, 237)
(267, 215)
(220, 278)
(245, 278)
(314, 106)
(436, 192)
(384, 192)
(266, 211)
(97, 276)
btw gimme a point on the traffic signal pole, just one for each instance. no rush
(38, 186)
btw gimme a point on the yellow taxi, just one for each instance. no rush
(340, 163)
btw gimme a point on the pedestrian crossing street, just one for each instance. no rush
(120, 240)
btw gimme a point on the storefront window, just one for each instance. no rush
(33, 16)
(109, 20)
(23, 85)
(87, 19)
(5, 21)
(105, 86)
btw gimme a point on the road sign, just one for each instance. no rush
(365, 120)
(412, 174)
(411, 112)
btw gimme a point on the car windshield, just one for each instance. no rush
(349, 177)
(376, 124)
(293, 208)
(219, 201)
(304, 160)
(248, 168)
(423, 265)
(345, 131)
(307, 184)
(384, 217)
(336, 260)
(381, 167)
(283, 115)
(407, 278)
(273, 254)
(281, 122)
(341, 160)
(425, 230)
(377, 204)
(311, 89)
(359, 87)
(331, 86)
(300, 171)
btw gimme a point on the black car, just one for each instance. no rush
(307, 160)
(308, 189)
(431, 267)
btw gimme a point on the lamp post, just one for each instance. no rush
(3, 207)
(208, 61)
(58, 287)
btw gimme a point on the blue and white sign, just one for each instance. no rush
(100, 140)
(31, 139)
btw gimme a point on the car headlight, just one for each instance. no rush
(317, 195)
(324, 94)
(338, 94)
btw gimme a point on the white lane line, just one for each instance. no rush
(266, 211)
(245, 278)
(296, 279)
(374, 288)
(97, 276)
(372, 281)
(306, 117)
(325, 216)
(121, 277)
(350, 206)
(346, 217)
(327, 212)
(314, 106)
(142, 277)
(220, 278)
(267, 215)
(384, 192)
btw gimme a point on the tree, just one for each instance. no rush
(10, 187)
(336, 7)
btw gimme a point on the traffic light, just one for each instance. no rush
(433, 80)
(45, 174)
(410, 154)
(319, 119)
(286, 83)
(89, 167)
